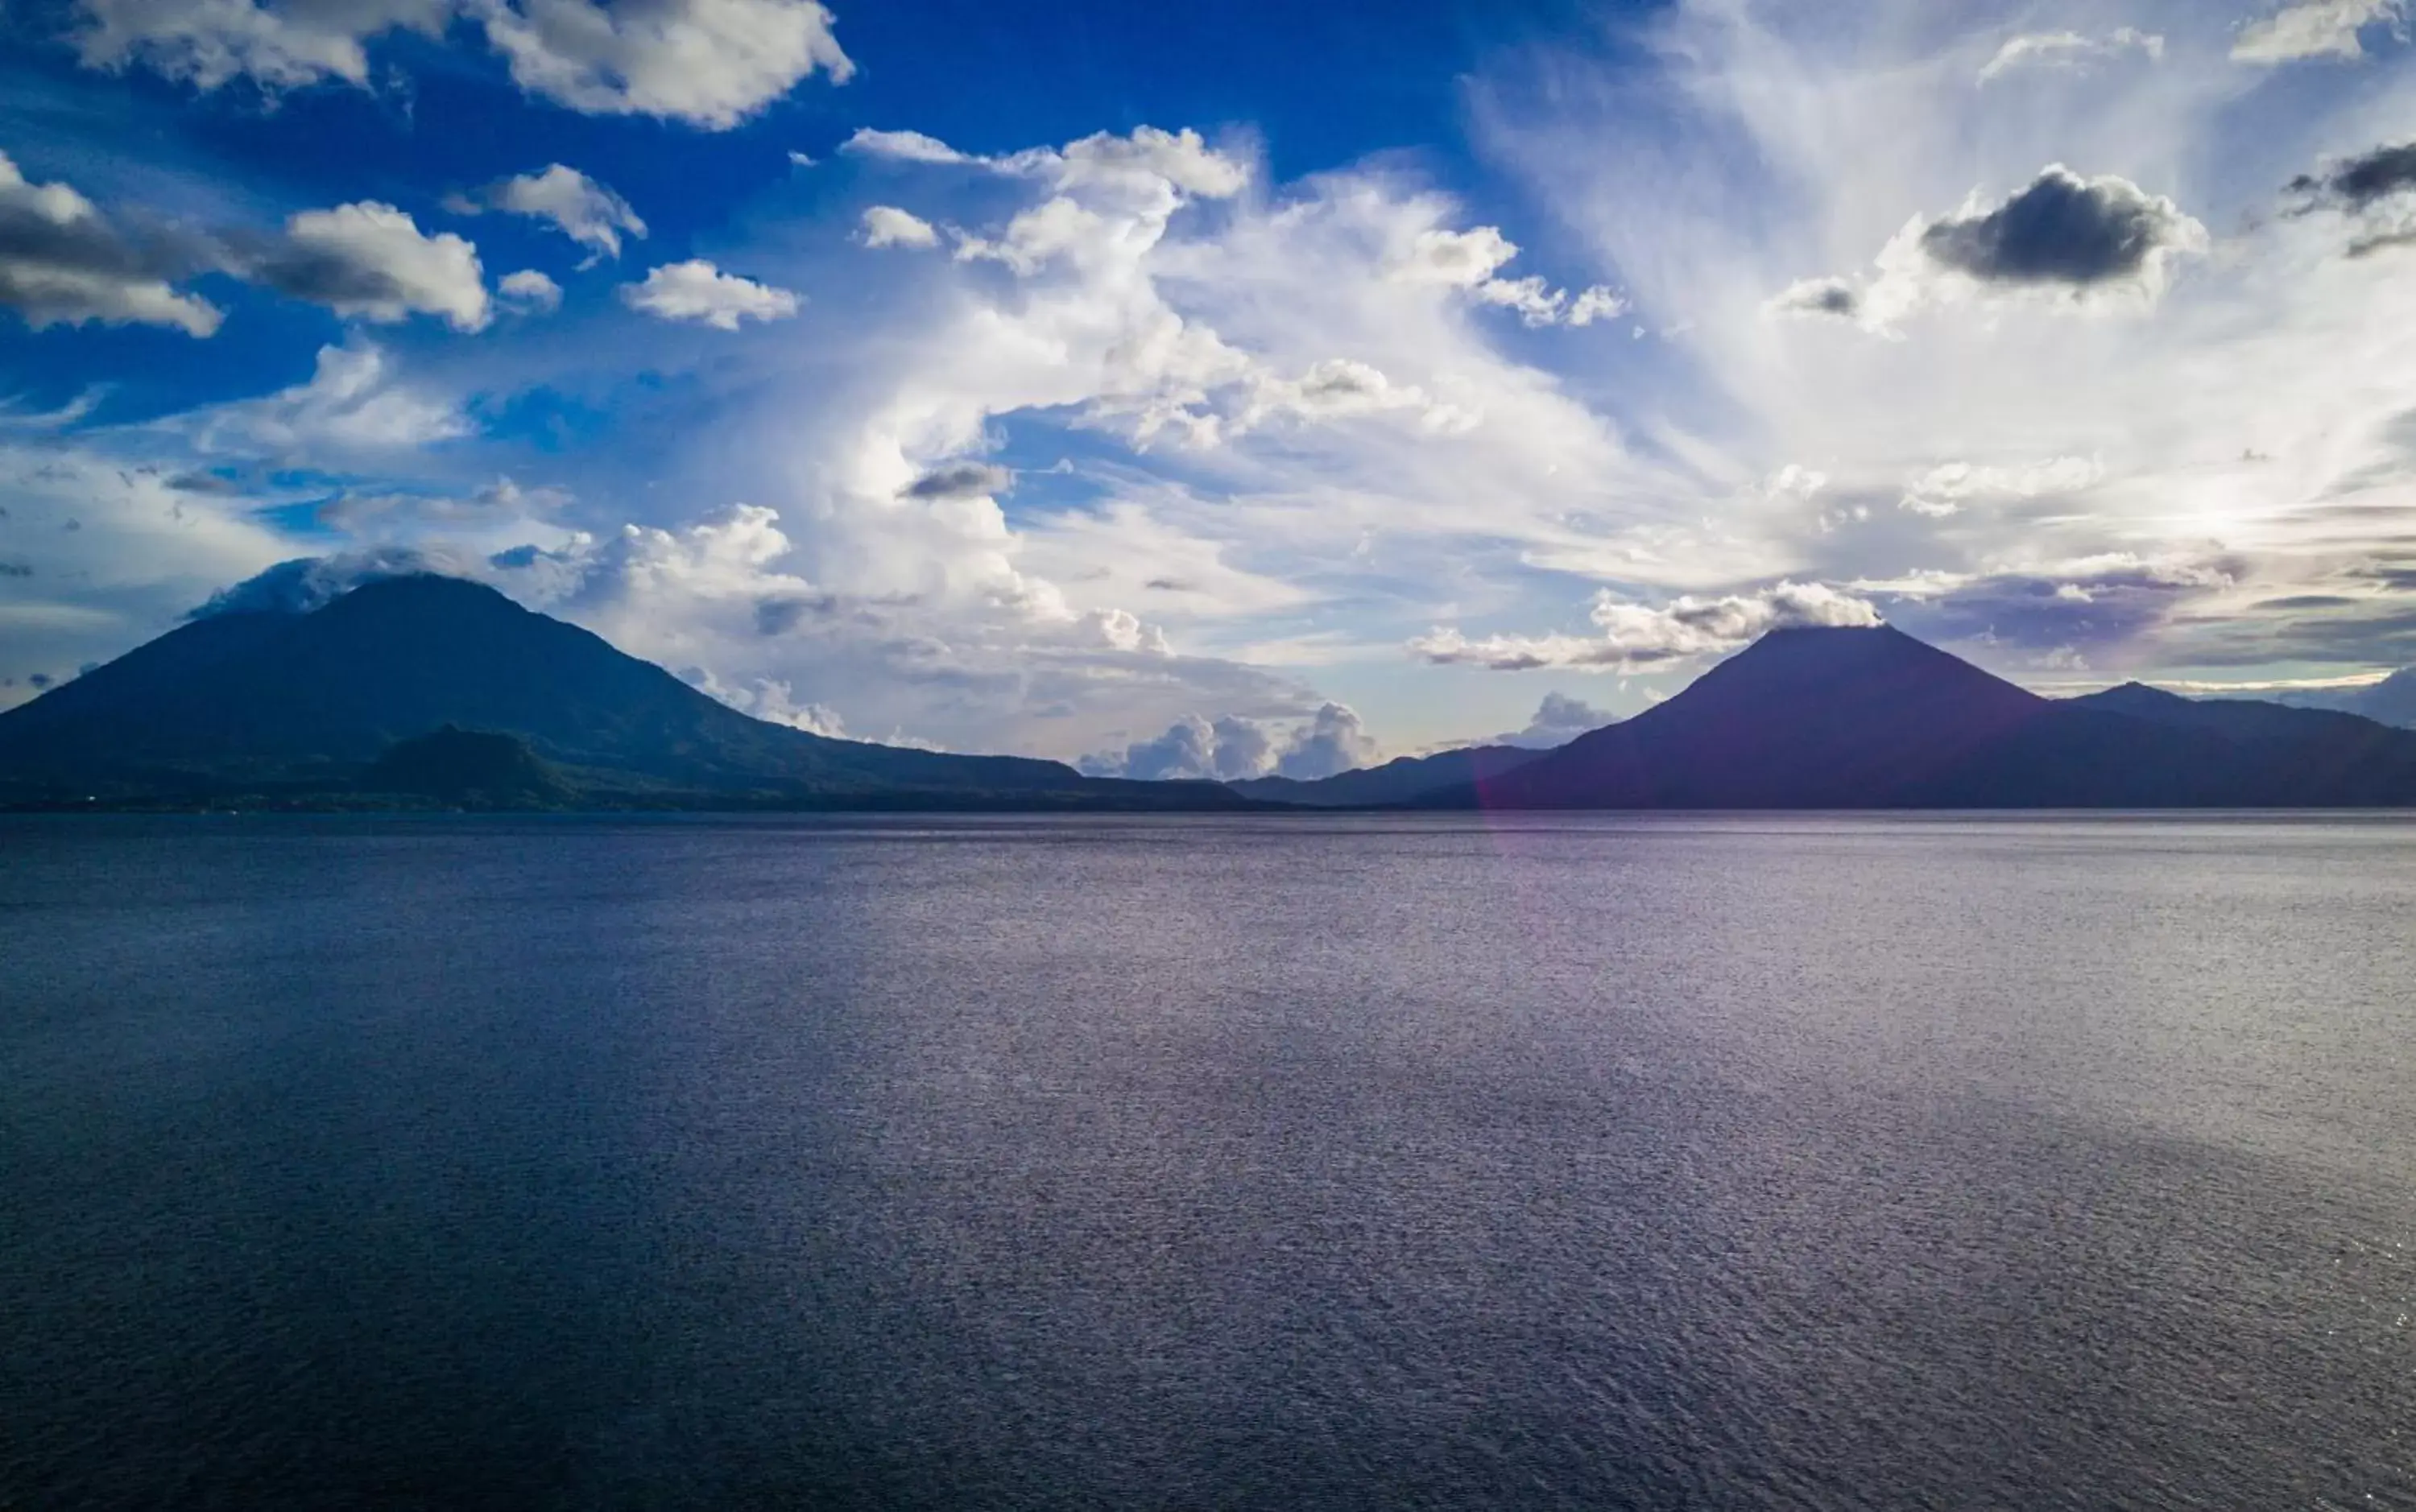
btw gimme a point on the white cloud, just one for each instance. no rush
(354, 401)
(1333, 741)
(1233, 748)
(2312, 29)
(1559, 719)
(2069, 49)
(63, 263)
(902, 146)
(698, 291)
(209, 43)
(529, 293)
(706, 63)
(372, 261)
(1635, 635)
(1945, 489)
(582, 209)
(885, 225)
(1470, 260)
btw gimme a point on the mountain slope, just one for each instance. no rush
(1404, 781)
(2289, 756)
(278, 700)
(1871, 718)
(2390, 701)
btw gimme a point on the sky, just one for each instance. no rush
(1217, 391)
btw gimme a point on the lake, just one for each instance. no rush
(1286, 1162)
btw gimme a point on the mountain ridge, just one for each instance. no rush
(423, 689)
(1871, 718)
(296, 704)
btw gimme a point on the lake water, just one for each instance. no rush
(1282, 1163)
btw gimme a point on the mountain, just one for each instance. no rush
(304, 708)
(2390, 701)
(1396, 782)
(1871, 718)
(2295, 756)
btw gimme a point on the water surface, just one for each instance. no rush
(1303, 1163)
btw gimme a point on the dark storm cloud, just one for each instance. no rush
(2062, 229)
(968, 480)
(1822, 297)
(2357, 183)
(2377, 188)
(2381, 242)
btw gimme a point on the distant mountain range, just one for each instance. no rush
(2390, 701)
(420, 690)
(1872, 718)
(425, 691)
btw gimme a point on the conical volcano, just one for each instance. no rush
(263, 702)
(1824, 718)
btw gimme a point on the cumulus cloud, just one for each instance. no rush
(2069, 49)
(705, 63)
(885, 225)
(1333, 741)
(583, 210)
(1559, 719)
(2065, 230)
(528, 292)
(2083, 241)
(698, 291)
(372, 261)
(1635, 635)
(62, 263)
(1471, 261)
(209, 43)
(1234, 748)
(773, 700)
(2312, 29)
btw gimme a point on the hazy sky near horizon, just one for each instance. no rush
(1224, 389)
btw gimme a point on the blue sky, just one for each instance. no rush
(1231, 389)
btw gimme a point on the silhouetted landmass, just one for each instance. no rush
(425, 691)
(1872, 718)
(2390, 701)
(473, 769)
(1396, 782)
(281, 709)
